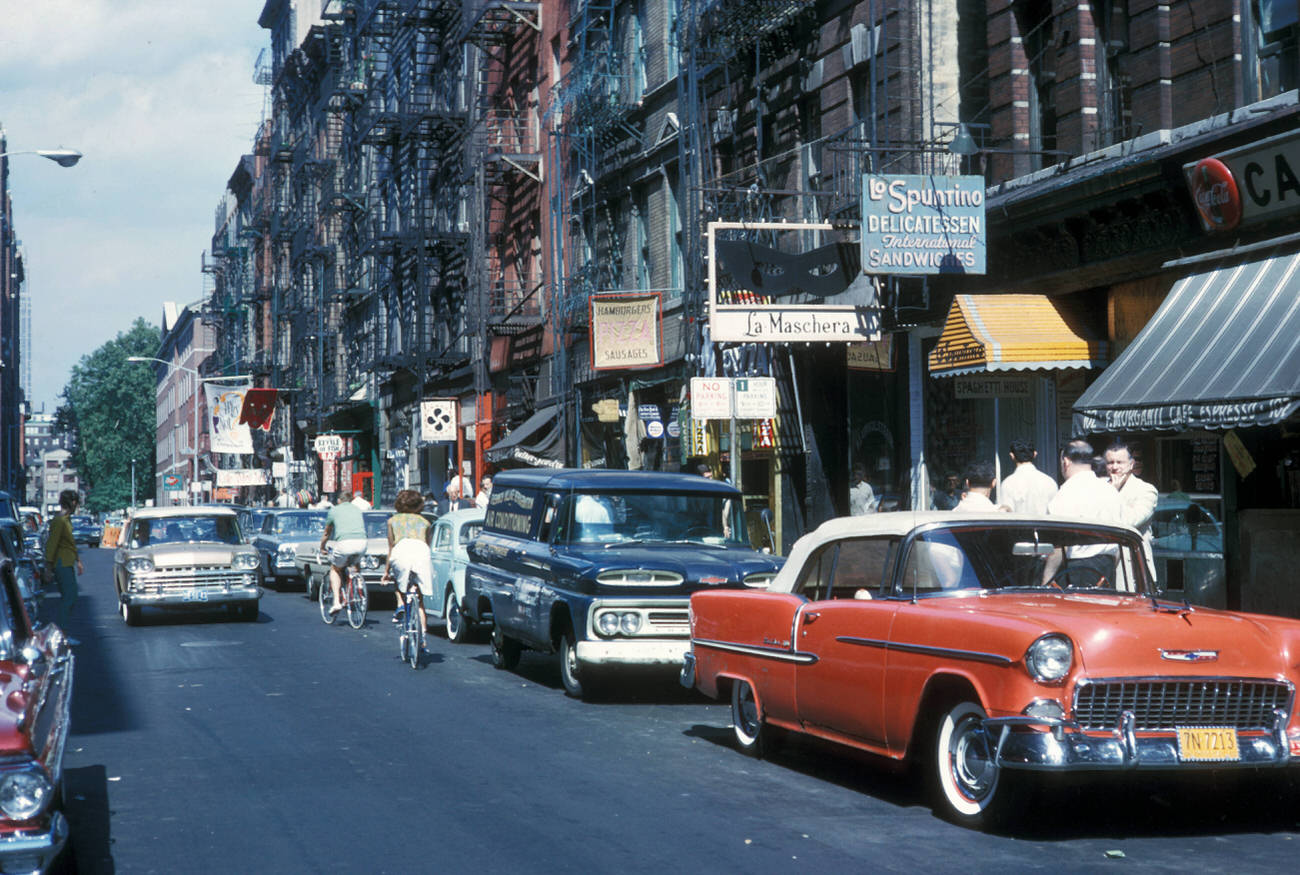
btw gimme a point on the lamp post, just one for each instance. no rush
(133, 483)
(61, 157)
(198, 384)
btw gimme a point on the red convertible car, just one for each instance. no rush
(982, 646)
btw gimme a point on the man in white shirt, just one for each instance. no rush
(1137, 497)
(980, 481)
(862, 499)
(1026, 489)
(361, 501)
(1084, 495)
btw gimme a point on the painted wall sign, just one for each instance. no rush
(626, 332)
(991, 386)
(914, 225)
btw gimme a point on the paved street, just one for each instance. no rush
(289, 746)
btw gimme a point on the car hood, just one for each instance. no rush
(694, 562)
(183, 555)
(1122, 635)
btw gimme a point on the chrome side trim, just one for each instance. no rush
(944, 652)
(777, 653)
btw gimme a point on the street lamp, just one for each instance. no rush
(61, 157)
(133, 483)
(198, 383)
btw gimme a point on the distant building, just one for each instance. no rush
(57, 474)
(38, 439)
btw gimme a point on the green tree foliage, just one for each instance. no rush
(108, 410)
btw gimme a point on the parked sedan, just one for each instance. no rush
(36, 668)
(313, 565)
(86, 531)
(985, 647)
(284, 532)
(185, 557)
(451, 533)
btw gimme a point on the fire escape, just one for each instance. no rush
(503, 167)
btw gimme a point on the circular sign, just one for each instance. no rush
(654, 428)
(674, 428)
(1215, 191)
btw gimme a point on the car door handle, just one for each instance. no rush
(810, 617)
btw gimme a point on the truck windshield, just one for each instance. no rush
(652, 517)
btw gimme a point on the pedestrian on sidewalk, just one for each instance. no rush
(61, 555)
(1026, 489)
(980, 480)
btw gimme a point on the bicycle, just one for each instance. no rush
(356, 600)
(410, 632)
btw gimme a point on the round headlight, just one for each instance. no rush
(24, 793)
(629, 623)
(139, 565)
(246, 561)
(1049, 658)
(286, 551)
(370, 563)
(607, 623)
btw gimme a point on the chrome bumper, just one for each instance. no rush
(1067, 747)
(196, 598)
(33, 851)
(687, 676)
(631, 652)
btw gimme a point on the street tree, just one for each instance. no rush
(108, 410)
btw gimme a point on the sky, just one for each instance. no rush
(159, 96)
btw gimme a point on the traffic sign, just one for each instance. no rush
(711, 397)
(755, 397)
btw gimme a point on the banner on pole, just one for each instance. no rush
(226, 434)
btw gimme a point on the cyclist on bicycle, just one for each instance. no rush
(347, 528)
(409, 537)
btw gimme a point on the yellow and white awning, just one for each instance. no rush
(991, 333)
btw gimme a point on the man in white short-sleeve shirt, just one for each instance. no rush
(1083, 495)
(1026, 489)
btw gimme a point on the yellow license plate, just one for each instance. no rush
(1208, 744)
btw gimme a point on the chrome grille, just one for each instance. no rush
(669, 621)
(1166, 703)
(194, 577)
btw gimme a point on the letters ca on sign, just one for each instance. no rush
(1251, 184)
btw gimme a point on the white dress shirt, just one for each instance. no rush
(1027, 490)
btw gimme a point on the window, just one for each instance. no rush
(1271, 57)
(442, 538)
(847, 569)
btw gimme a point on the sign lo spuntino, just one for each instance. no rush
(914, 225)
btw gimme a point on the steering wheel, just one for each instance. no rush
(1061, 579)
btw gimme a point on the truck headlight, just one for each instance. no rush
(24, 793)
(246, 561)
(139, 565)
(1048, 659)
(611, 623)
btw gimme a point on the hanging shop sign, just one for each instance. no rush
(626, 332)
(242, 477)
(328, 445)
(438, 419)
(173, 483)
(1251, 184)
(917, 225)
(877, 355)
(226, 434)
(758, 294)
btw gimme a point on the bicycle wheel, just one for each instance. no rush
(325, 597)
(414, 634)
(358, 602)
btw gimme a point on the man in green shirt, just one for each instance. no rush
(347, 528)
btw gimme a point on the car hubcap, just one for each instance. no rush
(748, 712)
(972, 761)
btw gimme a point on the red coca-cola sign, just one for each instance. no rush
(1215, 192)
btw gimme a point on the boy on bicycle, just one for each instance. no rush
(347, 527)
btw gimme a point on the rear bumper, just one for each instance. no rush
(1066, 747)
(33, 850)
(631, 652)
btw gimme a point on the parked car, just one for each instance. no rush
(452, 533)
(983, 647)
(85, 530)
(284, 531)
(313, 566)
(36, 669)
(1187, 547)
(185, 557)
(598, 565)
(9, 507)
(26, 565)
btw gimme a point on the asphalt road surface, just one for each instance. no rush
(204, 744)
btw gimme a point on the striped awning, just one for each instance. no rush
(988, 333)
(1223, 351)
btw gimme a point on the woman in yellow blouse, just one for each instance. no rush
(61, 555)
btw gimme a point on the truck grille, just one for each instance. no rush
(1164, 704)
(191, 578)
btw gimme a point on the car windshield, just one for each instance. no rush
(377, 525)
(185, 530)
(469, 531)
(648, 517)
(82, 521)
(305, 523)
(1022, 557)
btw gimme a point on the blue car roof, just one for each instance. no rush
(567, 479)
